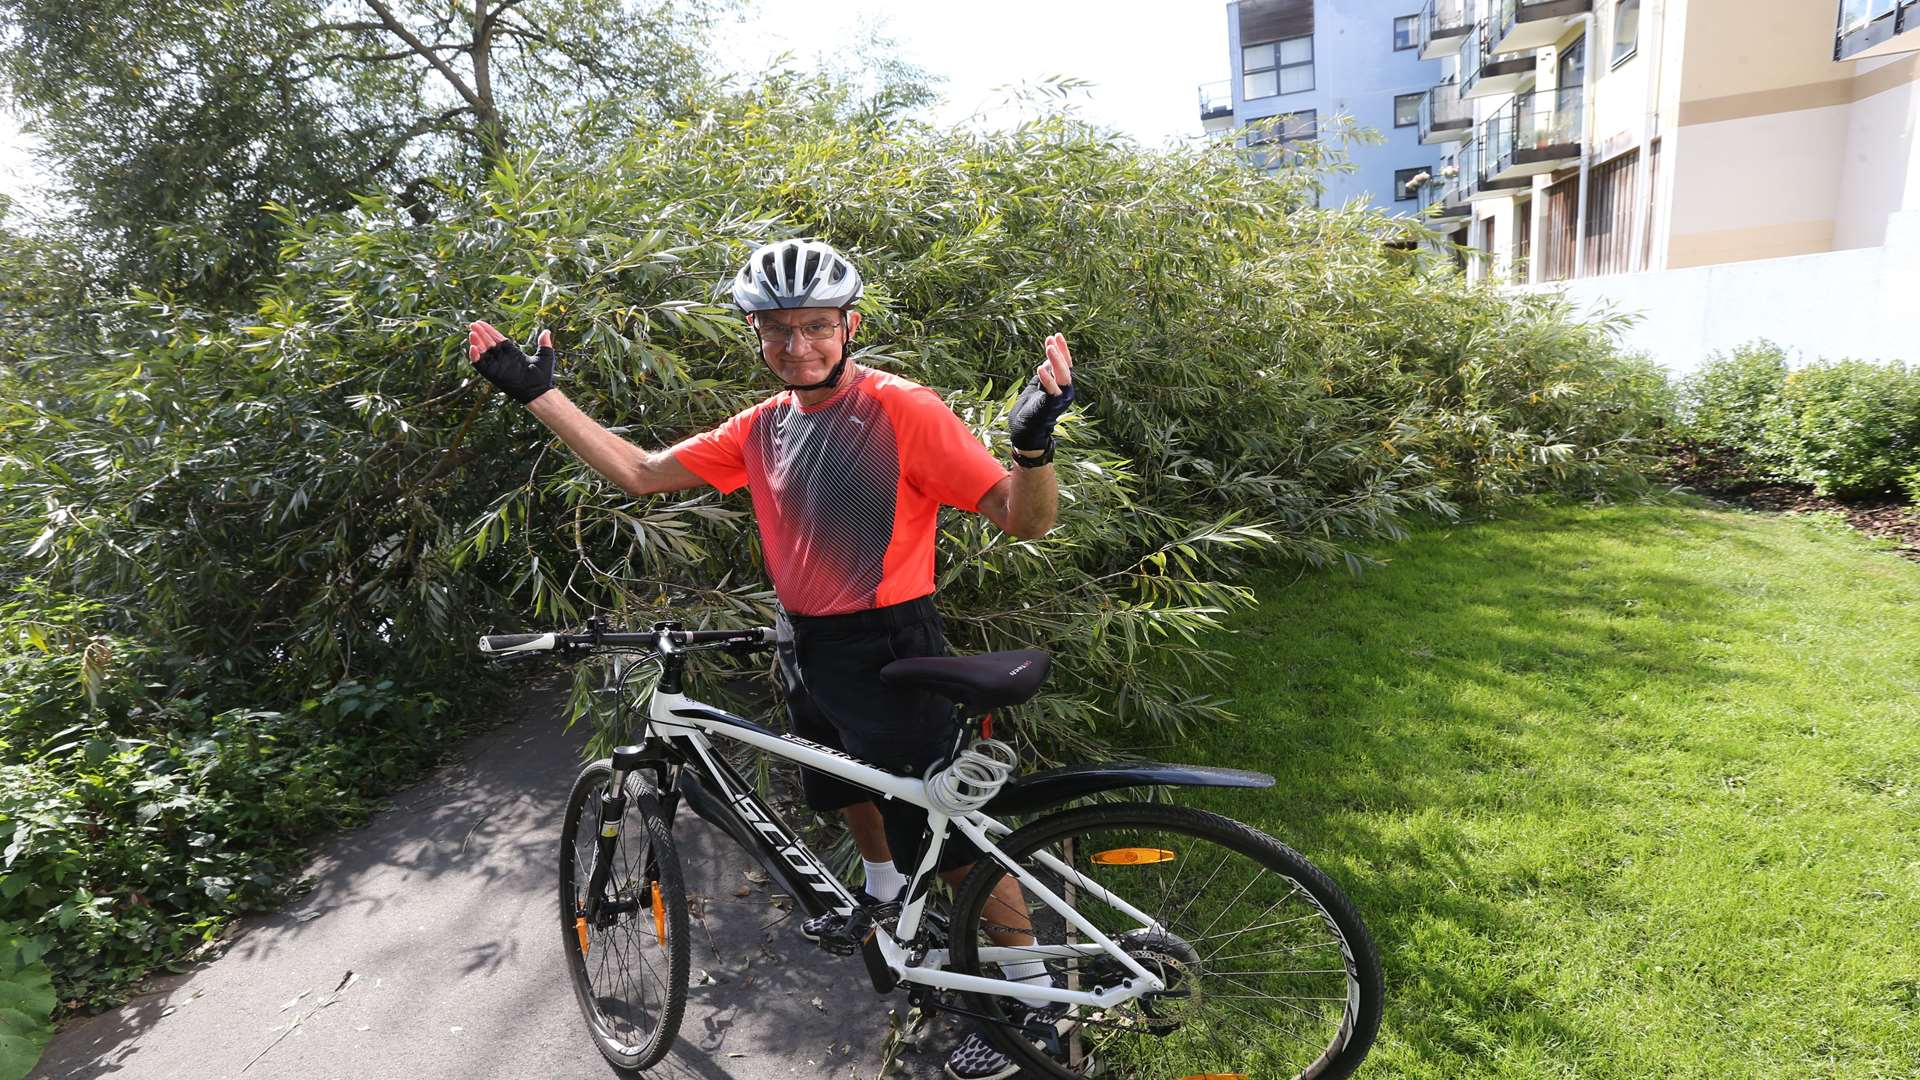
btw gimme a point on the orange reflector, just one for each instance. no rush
(1133, 856)
(580, 928)
(659, 917)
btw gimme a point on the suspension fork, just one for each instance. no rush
(612, 818)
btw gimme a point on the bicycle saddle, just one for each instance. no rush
(979, 682)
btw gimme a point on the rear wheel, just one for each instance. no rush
(629, 966)
(1268, 971)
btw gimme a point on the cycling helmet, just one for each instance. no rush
(796, 274)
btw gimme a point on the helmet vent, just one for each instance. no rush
(812, 266)
(793, 264)
(839, 271)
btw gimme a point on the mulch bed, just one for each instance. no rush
(1723, 474)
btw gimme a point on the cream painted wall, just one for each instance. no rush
(1620, 93)
(1756, 188)
(1501, 213)
(1877, 166)
(1747, 46)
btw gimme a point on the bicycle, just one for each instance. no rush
(1253, 965)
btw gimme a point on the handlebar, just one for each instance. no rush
(664, 638)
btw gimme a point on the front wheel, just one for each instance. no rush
(1268, 971)
(629, 964)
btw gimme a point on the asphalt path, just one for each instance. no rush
(429, 947)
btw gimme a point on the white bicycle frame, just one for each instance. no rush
(689, 723)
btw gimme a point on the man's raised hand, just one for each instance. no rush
(1046, 398)
(520, 376)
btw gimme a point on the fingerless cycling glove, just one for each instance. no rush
(521, 377)
(1033, 416)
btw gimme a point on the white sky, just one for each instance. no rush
(1145, 58)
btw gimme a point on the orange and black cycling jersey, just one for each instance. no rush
(847, 492)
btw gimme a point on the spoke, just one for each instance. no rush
(1180, 867)
(1271, 952)
(1316, 1017)
(1291, 893)
(1265, 1021)
(1294, 971)
(1270, 997)
(1231, 934)
(1229, 906)
(1198, 893)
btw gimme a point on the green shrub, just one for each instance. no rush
(288, 528)
(26, 1002)
(134, 823)
(1848, 427)
(1724, 403)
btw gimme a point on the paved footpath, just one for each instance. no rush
(428, 949)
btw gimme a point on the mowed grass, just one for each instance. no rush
(1621, 792)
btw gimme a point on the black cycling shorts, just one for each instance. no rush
(831, 673)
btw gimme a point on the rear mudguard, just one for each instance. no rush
(1038, 791)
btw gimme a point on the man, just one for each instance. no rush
(848, 467)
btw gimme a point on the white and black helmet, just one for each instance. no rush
(796, 274)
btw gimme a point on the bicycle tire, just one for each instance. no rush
(603, 962)
(1209, 1022)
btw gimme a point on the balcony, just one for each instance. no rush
(1216, 105)
(1486, 75)
(1871, 28)
(1524, 140)
(1521, 26)
(1443, 26)
(1446, 198)
(1478, 166)
(1444, 115)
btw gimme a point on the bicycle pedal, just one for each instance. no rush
(851, 935)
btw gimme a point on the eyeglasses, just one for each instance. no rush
(773, 333)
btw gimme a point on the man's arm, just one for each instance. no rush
(530, 382)
(1025, 503)
(635, 471)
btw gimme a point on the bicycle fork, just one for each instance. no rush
(600, 911)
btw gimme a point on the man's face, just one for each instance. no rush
(802, 345)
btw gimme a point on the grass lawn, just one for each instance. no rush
(1622, 792)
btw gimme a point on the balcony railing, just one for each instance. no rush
(1867, 23)
(1484, 74)
(1443, 25)
(1524, 139)
(1444, 115)
(1216, 99)
(1521, 26)
(1451, 193)
(1568, 122)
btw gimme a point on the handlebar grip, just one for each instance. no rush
(500, 644)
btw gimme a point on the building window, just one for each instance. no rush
(1403, 190)
(1285, 128)
(1866, 23)
(1406, 32)
(1268, 137)
(1626, 30)
(1406, 110)
(1277, 67)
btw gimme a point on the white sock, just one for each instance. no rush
(1027, 971)
(884, 880)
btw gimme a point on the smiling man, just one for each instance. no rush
(848, 468)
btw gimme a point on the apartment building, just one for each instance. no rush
(1725, 168)
(1300, 64)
